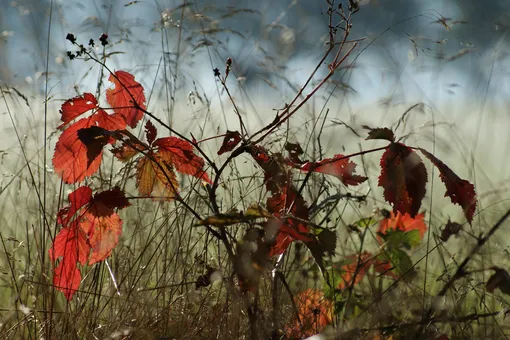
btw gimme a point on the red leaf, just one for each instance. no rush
(70, 244)
(67, 278)
(103, 233)
(121, 97)
(70, 158)
(403, 178)
(403, 222)
(232, 138)
(73, 160)
(338, 166)
(179, 153)
(150, 132)
(109, 122)
(89, 223)
(77, 199)
(460, 191)
(288, 202)
(76, 106)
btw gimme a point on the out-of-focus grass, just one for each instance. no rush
(147, 288)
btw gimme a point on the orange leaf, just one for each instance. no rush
(179, 153)
(76, 106)
(403, 178)
(103, 233)
(121, 97)
(70, 158)
(125, 152)
(403, 222)
(153, 181)
(337, 166)
(314, 311)
(355, 271)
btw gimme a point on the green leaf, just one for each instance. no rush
(365, 222)
(400, 260)
(396, 238)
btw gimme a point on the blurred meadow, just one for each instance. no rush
(437, 69)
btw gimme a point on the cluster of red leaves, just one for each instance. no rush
(314, 313)
(70, 159)
(90, 223)
(286, 204)
(286, 200)
(404, 178)
(90, 231)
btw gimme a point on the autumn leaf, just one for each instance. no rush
(89, 223)
(380, 133)
(70, 159)
(150, 132)
(103, 234)
(295, 151)
(450, 229)
(74, 107)
(403, 222)
(67, 277)
(105, 202)
(403, 178)
(94, 138)
(460, 191)
(314, 313)
(155, 177)
(73, 161)
(121, 97)
(110, 122)
(338, 166)
(179, 153)
(126, 152)
(71, 245)
(500, 279)
(287, 229)
(230, 141)
(355, 270)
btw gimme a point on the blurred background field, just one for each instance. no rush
(444, 62)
